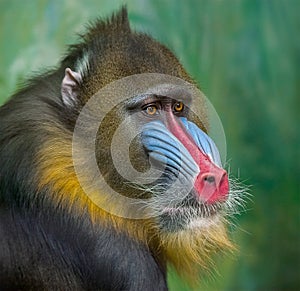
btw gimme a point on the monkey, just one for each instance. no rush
(55, 236)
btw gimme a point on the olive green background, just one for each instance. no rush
(245, 54)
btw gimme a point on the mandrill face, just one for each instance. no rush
(192, 185)
(162, 156)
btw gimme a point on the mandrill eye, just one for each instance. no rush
(151, 109)
(178, 107)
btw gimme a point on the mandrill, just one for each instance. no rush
(107, 173)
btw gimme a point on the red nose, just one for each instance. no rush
(212, 186)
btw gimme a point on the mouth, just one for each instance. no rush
(202, 211)
(180, 216)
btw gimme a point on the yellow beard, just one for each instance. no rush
(191, 249)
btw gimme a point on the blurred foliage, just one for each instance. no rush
(246, 56)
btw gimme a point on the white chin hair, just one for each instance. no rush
(204, 222)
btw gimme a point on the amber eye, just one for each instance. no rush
(178, 106)
(151, 110)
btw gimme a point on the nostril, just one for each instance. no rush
(209, 179)
(212, 186)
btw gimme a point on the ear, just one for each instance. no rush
(70, 87)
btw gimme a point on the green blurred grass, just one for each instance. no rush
(245, 55)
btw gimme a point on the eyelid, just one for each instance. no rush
(155, 104)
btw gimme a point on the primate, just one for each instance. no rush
(56, 236)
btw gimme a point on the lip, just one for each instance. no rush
(201, 210)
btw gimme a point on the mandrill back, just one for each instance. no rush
(53, 236)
